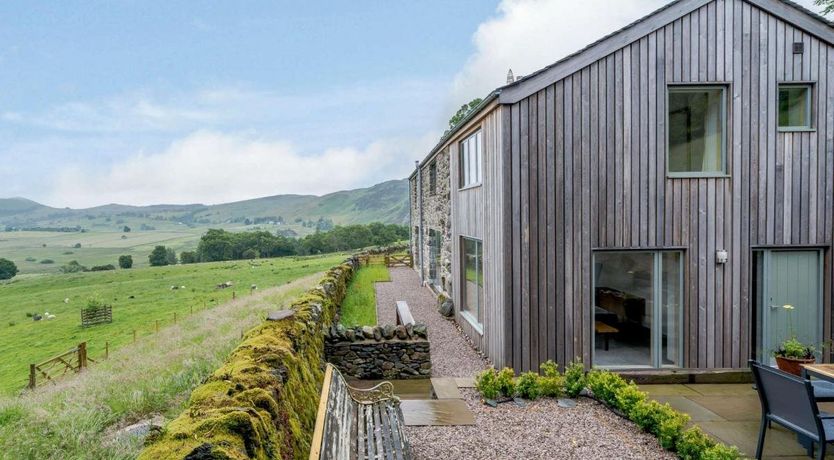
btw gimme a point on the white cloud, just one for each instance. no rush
(527, 35)
(212, 167)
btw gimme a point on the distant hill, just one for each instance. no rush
(386, 202)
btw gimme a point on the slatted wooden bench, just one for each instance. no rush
(358, 424)
(404, 316)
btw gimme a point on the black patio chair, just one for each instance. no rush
(788, 400)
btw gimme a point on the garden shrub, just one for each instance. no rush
(605, 385)
(549, 369)
(671, 428)
(574, 379)
(628, 397)
(505, 380)
(693, 444)
(551, 386)
(527, 385)
(721, 452)
(486, 383)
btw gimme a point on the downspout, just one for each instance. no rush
(420, 224)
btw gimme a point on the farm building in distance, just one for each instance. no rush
(656, 200)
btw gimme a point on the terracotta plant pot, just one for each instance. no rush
(793, 365)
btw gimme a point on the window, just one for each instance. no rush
(433, 178)
(794, 107)
(697, 116)
(638, 309)
(470, 160)
(473, 280)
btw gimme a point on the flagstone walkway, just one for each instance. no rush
(731, 413)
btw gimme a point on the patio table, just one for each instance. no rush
(823, 372)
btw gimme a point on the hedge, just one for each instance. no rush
(262, 402)
(625, 398)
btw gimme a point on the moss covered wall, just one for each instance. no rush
(262, 402)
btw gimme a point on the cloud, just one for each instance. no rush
(212, 167)
(527, 35)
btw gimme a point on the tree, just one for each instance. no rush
(77, 246)
(170, 256)
(188, 257)
(126, 229)
(158, 257)
(73, 267)
(126, 261)
(8, 269)
(464, 110)
(827, 6)
(250, 253)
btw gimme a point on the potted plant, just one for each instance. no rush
(792, 354)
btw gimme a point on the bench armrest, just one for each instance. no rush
(381, 392)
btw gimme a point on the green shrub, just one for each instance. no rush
(549, 369)
(551, 386)
(574, 379)
(47, 261)
(527, 385)
(102, 268)
(721, 452)
(671, 428)
(693, 444)
(506, 382)
(605, 385)
(628, 397)
(486, 383)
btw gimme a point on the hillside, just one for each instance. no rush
(386, 202)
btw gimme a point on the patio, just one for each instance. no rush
(730, 413)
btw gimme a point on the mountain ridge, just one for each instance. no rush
(385, 202)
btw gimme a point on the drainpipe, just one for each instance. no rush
(420, 224)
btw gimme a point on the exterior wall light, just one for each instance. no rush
(721, 256)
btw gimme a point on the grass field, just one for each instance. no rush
(78, 417)
(97, 248)
(359, 306)
(139, 297)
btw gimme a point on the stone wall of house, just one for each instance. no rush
(415, 218)
(437, 216)
(381, 352)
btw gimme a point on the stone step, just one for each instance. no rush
(445, 388)
(437, 412)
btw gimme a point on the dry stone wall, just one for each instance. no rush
(381, 352)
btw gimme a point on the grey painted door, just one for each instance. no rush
(791, 303)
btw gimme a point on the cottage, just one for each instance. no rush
(660, 199)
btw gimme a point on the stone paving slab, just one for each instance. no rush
(723, 389)
(744, 435)
(437, 412)
(668, 390)
(698, 412)
(404, 389)
(445, 388)
(734, 408)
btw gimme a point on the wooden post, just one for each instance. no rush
(82, 356)
(192, 309)
(175, 317)
(157, 326)
(134, 336)
(32, 377)
(233, 295)
(106, 350)
(386, 259)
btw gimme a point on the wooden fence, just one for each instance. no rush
(399, 260)
(74, 361)
(96, 315)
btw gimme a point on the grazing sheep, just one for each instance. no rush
(66, 300)
(253, 287)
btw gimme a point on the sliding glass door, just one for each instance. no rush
(638, 309)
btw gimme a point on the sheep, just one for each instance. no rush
(66, 300)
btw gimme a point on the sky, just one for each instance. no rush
(208, 102)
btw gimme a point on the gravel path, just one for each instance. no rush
(542, 430)
(452, 355)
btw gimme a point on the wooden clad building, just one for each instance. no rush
(660, 199)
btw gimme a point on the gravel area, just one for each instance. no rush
(541, 430)
(452, 355)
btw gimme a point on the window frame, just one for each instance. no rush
(811, 86)
(656, 339)
(725, 113)
(464, 311)
(463, 166)
(433, 177)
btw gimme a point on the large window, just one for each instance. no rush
(697, 117)
(638, 307)
(473, 280)
(470, 160)
(794, 107)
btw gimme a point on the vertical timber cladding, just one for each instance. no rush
(587, 170)
(477, 213)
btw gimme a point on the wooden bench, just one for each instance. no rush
(358, 424)
(605, 330)
(404, 314)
